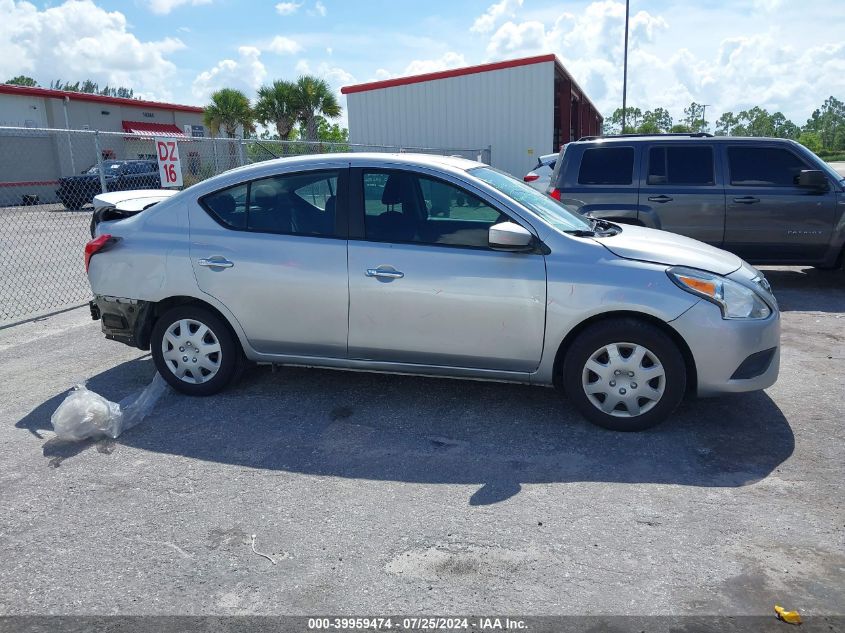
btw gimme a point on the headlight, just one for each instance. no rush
(735, 300)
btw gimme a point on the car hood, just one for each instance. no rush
(661, 247)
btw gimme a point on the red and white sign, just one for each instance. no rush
(169, 166)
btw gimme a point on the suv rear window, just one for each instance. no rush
(607, 166)
(764, 166)
(682, 165)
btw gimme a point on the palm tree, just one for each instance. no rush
(315, 98)
(278, 103)
(229, 108)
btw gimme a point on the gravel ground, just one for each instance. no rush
(378, 494)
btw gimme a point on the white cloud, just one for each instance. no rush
(282, 45)
(246, 73)
(78, 40)
(163, 7)
(319, 9)
(670, 67)
(444, 62)
(287, 8)
(487, 21)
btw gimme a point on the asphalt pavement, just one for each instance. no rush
(374, 494)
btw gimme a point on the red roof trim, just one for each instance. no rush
(82, 96)
(445, 74)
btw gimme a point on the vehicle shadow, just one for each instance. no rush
(807, 289)
(425, 430)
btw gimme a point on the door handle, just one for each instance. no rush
(216, 262)
(660, 199)
(384, 273)
(746, 200)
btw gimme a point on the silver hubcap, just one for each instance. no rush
(623, 379)
(191, 351)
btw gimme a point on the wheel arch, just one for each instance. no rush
(563, 348)
(156, 309)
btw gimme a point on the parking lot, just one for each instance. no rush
(376, 494)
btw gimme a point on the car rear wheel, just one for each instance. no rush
(195, 351)
(624, 375)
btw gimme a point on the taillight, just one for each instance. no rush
(95, 246)
(555, 193)
(530, 177)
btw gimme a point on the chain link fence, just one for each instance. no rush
(49, 177)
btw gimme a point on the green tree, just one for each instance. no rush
(633, 118)
(828, 122)
(278, 104)
(326, 132)
(694, 117)
(655, 121)
(92, 87)
(680, 128)
(23, 80)
(811, 140)
(315, 98)
(726, 124)
(228, 110)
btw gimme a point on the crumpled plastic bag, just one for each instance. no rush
(85, 413)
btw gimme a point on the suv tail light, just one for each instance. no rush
(530, 177)
(555, 193)
(96, 245)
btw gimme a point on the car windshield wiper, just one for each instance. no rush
(580, 233)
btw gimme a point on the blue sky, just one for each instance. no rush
(781, 54)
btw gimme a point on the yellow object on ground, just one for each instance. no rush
(792, 617)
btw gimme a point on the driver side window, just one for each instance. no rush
(407, 207)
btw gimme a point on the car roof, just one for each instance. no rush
(679, 138)
(409, 158)
(384, 160)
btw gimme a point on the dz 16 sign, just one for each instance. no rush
(169, 167)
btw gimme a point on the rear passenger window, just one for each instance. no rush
(607, 166)
(290, 204)
(293, 204)
(764, 166)
(228, 207)
(682, 165)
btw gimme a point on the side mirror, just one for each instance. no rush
(812, 179)
(509, 236)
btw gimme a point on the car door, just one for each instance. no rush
(273, 251)
(681, 190)
(769, 217)
(424, 286)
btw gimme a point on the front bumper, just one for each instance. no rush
(730, 355)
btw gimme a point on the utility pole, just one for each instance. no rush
(625, 68)
(704, 116)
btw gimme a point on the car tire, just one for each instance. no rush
(624, 374)
(73, 205)
(189, 332)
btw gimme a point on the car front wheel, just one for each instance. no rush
(195, 351)
(624, 374)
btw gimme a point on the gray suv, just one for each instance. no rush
(770, 201)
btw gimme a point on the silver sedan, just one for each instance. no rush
(429, 265)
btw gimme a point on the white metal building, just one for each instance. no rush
(520, 109)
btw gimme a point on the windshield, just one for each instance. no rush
(547, 209)
(109, 166)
